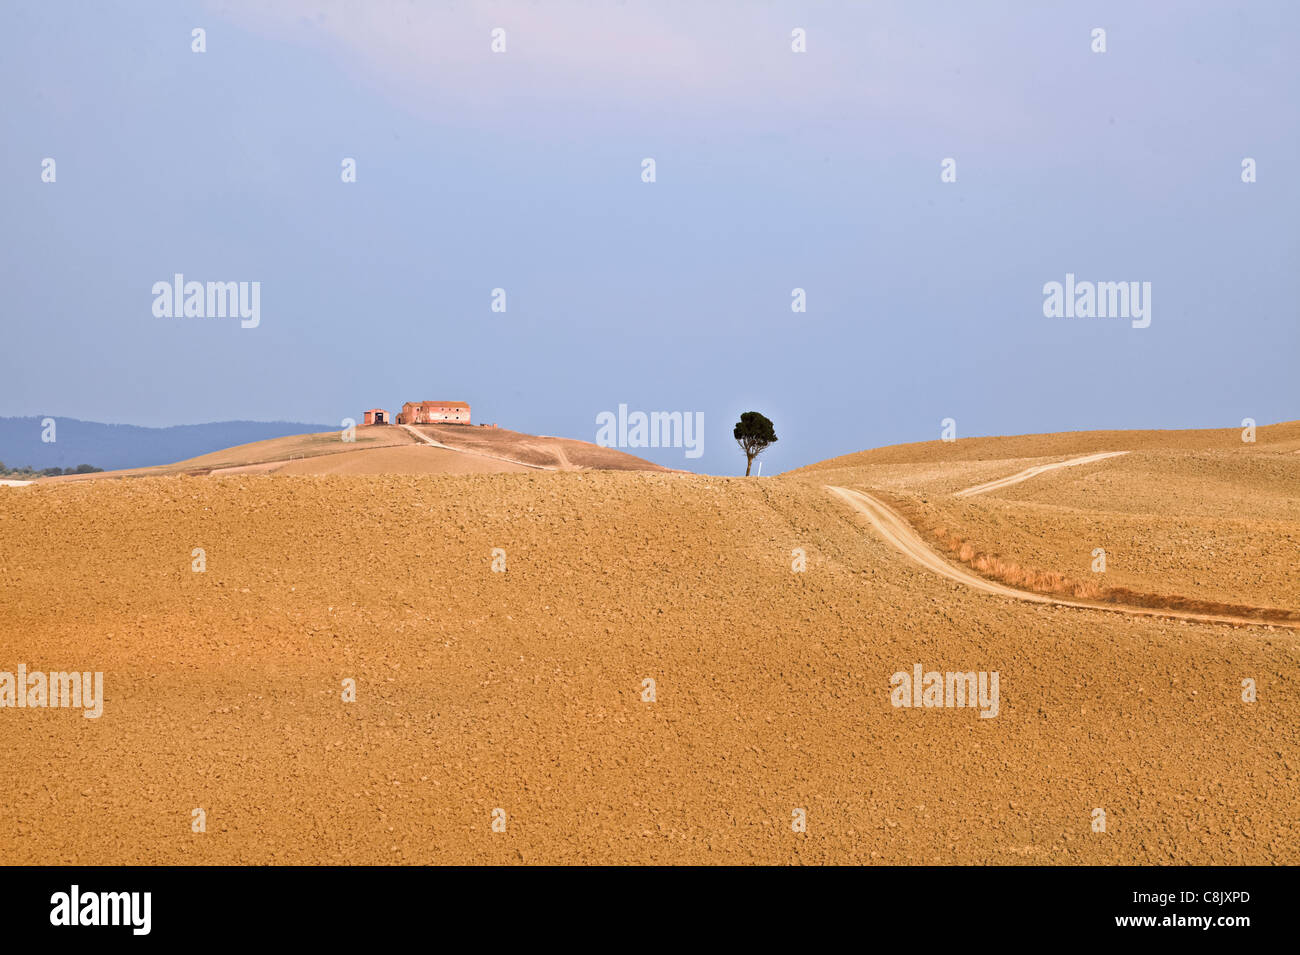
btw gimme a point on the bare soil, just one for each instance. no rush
(522, 690)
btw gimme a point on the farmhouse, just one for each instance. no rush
(377, 416)
(434, 412)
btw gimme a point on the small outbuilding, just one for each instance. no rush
(377, 416)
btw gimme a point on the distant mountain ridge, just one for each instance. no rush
(116, 446)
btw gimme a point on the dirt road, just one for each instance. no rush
(898, 532)
(1027, 473)
(480, 454)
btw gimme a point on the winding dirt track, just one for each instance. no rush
(421, 436)
(1027, 473)
(897, 531)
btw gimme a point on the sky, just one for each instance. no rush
(775, 170)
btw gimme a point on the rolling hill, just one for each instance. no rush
(119, 446)
(501, 629)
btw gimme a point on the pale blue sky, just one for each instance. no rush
(775, 170)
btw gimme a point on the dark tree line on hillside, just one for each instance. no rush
(47, 472)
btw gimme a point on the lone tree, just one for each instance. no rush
(754, 433)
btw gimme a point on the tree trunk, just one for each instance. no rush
(749, 462)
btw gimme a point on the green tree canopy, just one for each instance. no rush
(754, 433)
